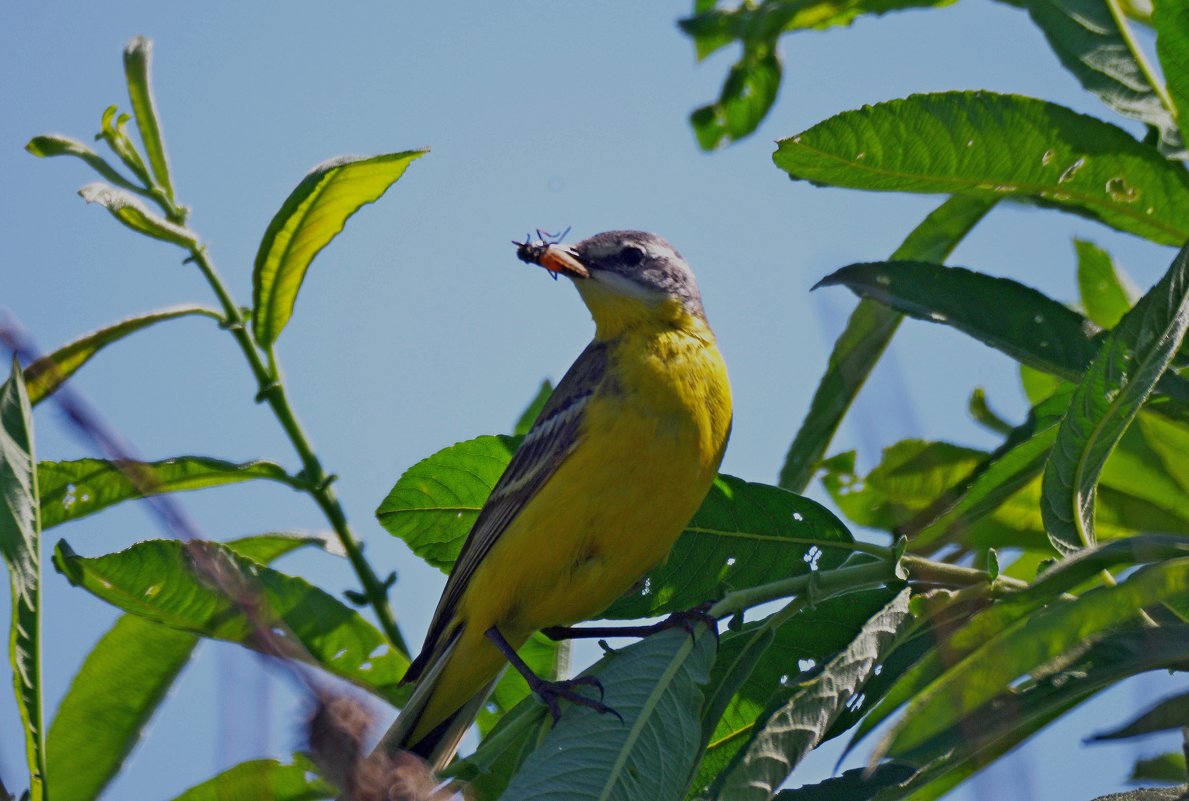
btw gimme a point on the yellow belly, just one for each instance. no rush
(649, 449)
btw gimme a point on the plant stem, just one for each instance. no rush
(316, 481)
(816, 584)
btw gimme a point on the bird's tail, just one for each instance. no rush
(436, 747)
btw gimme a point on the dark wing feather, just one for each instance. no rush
(550, 440)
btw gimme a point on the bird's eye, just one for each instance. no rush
(631, 255)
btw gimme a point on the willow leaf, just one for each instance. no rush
(1118, 381)
(137, 57)
(128, 209)
(313, 214)
(46, 374)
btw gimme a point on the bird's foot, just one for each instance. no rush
(554, 692)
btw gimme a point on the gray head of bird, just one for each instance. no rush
(626, 278)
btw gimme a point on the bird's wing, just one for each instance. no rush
(550, 440)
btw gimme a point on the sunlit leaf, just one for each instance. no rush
(1087, 38)
(57, 145)
(137, 57)
(129, 210)
(796, 722)
(997, 146)
(20, 547)
(46, 374)
(121, 684)
(656, 686)
(264, 779)
(75, 489)
(113, 129)
(1024, 645)
(867, 334)
(313, 214)
(159, 580)
(1127, 367)
(1171, 20)
(747, 94)
(1106, 294)
(1168, 767)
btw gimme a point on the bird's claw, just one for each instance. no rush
(553, 692)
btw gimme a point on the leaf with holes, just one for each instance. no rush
(997, 146)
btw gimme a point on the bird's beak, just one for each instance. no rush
(555, 258)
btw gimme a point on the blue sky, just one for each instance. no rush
(418, 328)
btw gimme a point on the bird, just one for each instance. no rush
(615, 465)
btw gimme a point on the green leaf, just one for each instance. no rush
(1106, 294)
(989, 626)
(867, 334)
(529, 415)
(1022, 646)
(20, 547)
(747, 94)
(56, 145)
(1010, 317)
(851, 785)
(757, 665)
(1127, 367)
(46, 374)
(161, 581)
(743, 534)
(1018, 713)
(75, 489)
(113, 129)
(997, 146)
(125, 677)
(910, 477)
(126, 208)
(795, 724)
(434, 504)
(1087, 39)
(753, 81)
(1004, 314)
(1171, 713)
(137, 57)
(655, 685)
(313, 214)
(1168, 767)
(264, 779)
(1171, 21)
(982, 413)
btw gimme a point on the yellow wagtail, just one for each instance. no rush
(618, 461)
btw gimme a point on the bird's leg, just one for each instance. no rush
(552, 692)
(683, 620)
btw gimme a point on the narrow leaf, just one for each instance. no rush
(1171, 21)
(1106, 296)
(158, 580)
(868, 332)
(1023, 646)
(1127, 367)
(655, 685)
(264, 779)
(137, 57)
(75, 489)
(121, 684)
(796, 723)
(997, 146)
(113, 129)
(20, 547)
(1168, 767)
(529, 415)
(128, 209)
(313, 214)
(56, 145)
(1171, 713)
(1017, 320)
(1087, 39)
(46, 374)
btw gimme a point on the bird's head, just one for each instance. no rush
(626, 278)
